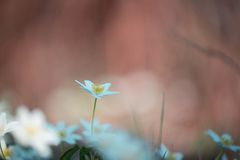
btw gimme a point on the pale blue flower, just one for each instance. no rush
(225, 141)
(120, 145)
(224, 157)
(67, 133)
(97, 91)
(114, 145)
(89, 136)
(22, 153)
(167, 155)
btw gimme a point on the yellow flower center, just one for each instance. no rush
(226, 141)
(97, 89)
(62, 134)
(32, 130)
(7, 152)
(1, 129)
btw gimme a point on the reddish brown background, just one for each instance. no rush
(44, 43)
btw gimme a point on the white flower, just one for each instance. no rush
(7, 151)
(115, 145)
(34, 131)
(97, 91)
(166, 154)
(89, 136)
(6, 127)
(120, 145)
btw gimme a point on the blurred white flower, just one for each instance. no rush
(7, 151)
(166, 154)
(67, 133)
(34, 131)
(121, 145)
(5, 106)
(89, 136)
(115, 145)
(6, 127)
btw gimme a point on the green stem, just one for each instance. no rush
(2, 153)
(93, 114)
(62, 148)
(162, 119)
(219, 155)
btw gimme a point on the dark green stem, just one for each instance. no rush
(219, 155)
(161, 119)
(2, 153)
(62, 148)
(93, 114)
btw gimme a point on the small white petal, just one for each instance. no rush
(3, 119)
(42, 150)
(3, 144)
(88, 83)
(11, 126)
(82, 85)
(106, 86)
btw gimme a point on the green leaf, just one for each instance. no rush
(88, 154)
(84, 152)
(69, 153)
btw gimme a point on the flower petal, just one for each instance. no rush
(82, 85)
(60, 126)
(3, 144)
(87, 87)
(89, 84)
(11, 126)
(213, 135)
(106, 127)
(163, 151)
(234, 148)
(86, 125)
(23, 113)
(107, 93)
(76, 136)
(72, 128)
(3, 120)
(70, 140)
(224, 157)
(178, 156)
(106, 86)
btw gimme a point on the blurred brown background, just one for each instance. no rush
(187, 49)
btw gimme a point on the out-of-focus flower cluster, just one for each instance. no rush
(34, 138)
